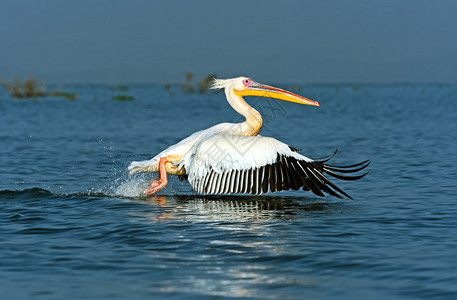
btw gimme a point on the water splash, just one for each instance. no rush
(121, 184)
(130, 187)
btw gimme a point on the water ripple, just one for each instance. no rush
(73, 224)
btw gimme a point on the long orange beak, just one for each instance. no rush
(262, 90)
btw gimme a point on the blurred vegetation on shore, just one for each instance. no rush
(122, 97)
(33, 88)
(202, 86)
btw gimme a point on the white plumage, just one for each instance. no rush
(224, 153)
(233, 158)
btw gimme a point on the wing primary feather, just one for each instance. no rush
(347, 169)
(227, 183)
(254, 184)
(260, 179)
(306, 183)
(290, 172)
(326, 158)
(367, 162)
(286, 174)
(315, 188)
(243, 182)
(344, 170)
(205, 180)
(207, 184)
(279, 178)
(218, 183)
(266, 179)
(249, 185)
(236, 183)
(256, 181)
(232, 179)
(332, 185)
(221, 183)
(246, 181)
(293, 149)
(343, 177)
(295, 172)
(323, 186)
(272, 178)
(304, 177)
(301, 168)
(249, 182)
(311, 170)
(228, 186)
(214, 182)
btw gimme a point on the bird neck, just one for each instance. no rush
(253, 122)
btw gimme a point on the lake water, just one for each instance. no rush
(74, 225)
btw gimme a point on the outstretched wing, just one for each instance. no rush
(226, 164)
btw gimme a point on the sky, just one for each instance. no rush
(106, 42)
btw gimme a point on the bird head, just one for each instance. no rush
(243, 86)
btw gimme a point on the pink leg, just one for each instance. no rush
(157, 185)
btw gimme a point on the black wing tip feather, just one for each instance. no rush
(288, 173)
(293, 149)
(336, 170)
(364, 163)
(326, 158)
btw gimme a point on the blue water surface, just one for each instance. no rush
(74, 225)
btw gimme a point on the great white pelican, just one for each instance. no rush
(231, 158)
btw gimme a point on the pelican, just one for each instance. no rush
(232, 158)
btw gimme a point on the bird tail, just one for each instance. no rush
(143, 166)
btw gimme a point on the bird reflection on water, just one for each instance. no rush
(232, 229)
(239, 208)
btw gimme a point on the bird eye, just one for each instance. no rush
(247, 82)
